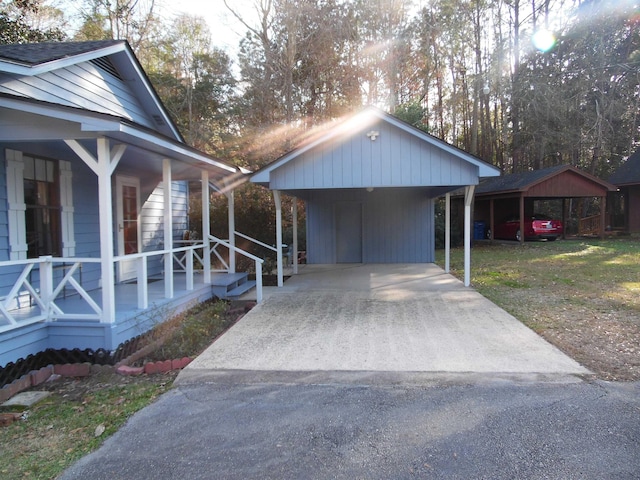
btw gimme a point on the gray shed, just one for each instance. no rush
(370, 184)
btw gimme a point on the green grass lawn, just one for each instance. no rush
(581, 295)
(81, 413)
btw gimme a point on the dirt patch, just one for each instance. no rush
(79, 388)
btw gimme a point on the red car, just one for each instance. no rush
(536, 227)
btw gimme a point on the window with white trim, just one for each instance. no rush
(40, 206)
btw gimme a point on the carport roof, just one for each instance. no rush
(629, 172)
(524, 183)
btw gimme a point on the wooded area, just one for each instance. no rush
(465, 71)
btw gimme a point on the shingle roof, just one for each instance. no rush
(629, 172)
(516, 181)
(37, 53)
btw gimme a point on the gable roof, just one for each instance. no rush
(112, 56)
(629, 172)
(32, 54)
(363, 120)
(522, 182)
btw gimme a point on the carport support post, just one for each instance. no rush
(278, 202)
(231, 220)
(521, 219)
(603, 216)
(294, 254)
(468, 200)
(447, 232)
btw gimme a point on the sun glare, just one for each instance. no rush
(543, 40)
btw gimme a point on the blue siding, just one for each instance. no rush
(152, 219)
(396, 158)
(82, 86)
(86, 221)
(397, 225)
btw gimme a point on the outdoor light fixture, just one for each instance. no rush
(373, 134)
(369, 189)
(486, 90)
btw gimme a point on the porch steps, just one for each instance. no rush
(228, 286)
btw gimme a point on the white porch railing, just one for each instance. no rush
(43, 297)
(35, 294)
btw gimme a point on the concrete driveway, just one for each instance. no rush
(258, 404)
(406, 318)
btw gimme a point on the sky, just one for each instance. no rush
(226, 31)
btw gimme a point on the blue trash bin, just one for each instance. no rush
(478, 230)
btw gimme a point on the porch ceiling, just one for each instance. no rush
(28, 122)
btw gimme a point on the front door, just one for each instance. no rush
(348, 217)
(128, 212)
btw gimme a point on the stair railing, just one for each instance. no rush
(232, 248)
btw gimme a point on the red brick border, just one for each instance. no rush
(38, 377)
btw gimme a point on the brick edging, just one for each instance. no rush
(38, 377)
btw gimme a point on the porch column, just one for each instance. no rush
(232, 230)
(206, 228)
(447, 232)
(294, 253)
(103, 167)
(278, 202)
(105, 202)
(168, 228)
(468, 200)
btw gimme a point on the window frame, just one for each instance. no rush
(17, 208)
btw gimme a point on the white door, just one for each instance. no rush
(128, 224)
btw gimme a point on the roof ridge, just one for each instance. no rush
(43, 52)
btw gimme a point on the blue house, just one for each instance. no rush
(94, 180)
(370, 184)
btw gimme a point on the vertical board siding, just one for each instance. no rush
(4, 220)
(397, 225)
(82, 86)
(152, 221)
(396, 158)
(320, 232)
(86, 221)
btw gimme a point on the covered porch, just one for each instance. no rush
(126, 262)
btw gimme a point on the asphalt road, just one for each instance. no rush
(436, 427)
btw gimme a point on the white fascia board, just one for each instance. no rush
(106, 125)
(170, 145)
(484, 169)
(151, 93)
(52, 110)
(29, 70)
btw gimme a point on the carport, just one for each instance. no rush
(514, 194)
(369, 184)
